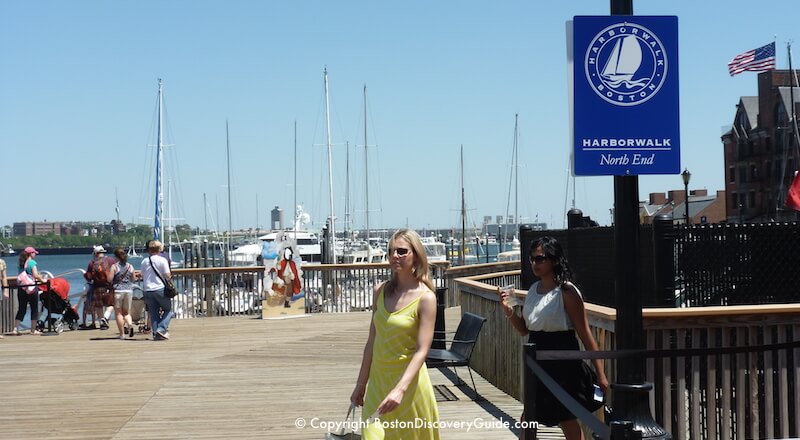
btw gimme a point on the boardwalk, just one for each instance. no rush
(216, 378)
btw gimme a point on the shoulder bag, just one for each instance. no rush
(169, 288)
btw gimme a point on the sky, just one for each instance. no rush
(78, 90)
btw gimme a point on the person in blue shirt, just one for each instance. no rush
(28, 295)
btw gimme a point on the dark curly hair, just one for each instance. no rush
(554, 252)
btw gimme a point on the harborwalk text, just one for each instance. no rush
(627, 159)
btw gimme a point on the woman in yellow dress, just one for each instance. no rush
(393, 382)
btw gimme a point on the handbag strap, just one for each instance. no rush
(119, 275)
(156, 271)
(351, 414)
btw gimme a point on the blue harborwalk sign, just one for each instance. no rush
(626, 116)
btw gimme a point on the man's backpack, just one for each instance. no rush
(99, 274)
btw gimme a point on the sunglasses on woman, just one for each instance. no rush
(401, 252)
(539, 259)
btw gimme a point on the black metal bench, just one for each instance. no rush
(461, 346)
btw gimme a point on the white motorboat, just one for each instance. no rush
(307, 243)
(512, 255)
(435, 249)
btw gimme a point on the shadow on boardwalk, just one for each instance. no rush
(216, 378)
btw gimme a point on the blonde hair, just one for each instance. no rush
(420, 269)
(155, 245)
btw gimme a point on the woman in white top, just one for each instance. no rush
(552, 315)
(122, 276)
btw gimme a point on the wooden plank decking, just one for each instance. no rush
(215, 378)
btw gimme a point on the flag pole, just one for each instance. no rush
(791, 197)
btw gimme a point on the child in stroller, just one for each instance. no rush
(55, 298)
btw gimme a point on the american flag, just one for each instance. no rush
(756, 60)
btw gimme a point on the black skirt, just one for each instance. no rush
(567, 373)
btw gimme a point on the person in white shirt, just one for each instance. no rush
(155, 268)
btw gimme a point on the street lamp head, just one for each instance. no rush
(686, 175)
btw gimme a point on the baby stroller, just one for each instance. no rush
(139, 311)
(54, 298)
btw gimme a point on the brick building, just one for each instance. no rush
(702, 207)
(26, 229)
(761, 151)
(36, 228)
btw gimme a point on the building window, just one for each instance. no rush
(753, 173)
(742, 174)
(767, 169)
(734, 201)
(752, 201)
(732, 174)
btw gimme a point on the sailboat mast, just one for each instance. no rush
(159, 167)
(347, 190)
(169, 219)
(513, 176)
(516, 172)
(463, 212)
(230, 212)
(330, 170)
(295, 178)
(366, 165)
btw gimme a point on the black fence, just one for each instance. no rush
(738, 264)
(683, 266)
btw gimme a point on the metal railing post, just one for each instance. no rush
(529, 384)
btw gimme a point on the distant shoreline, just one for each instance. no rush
(64, 250)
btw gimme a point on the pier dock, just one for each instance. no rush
(226, 378)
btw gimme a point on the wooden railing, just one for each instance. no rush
(749, 395)
(453, 298)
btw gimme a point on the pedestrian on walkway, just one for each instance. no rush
(155, 268)
(4, 281)
(122, 276)
(393, 381)
(552, 316)
(29, 293)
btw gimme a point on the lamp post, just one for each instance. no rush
(686, 175)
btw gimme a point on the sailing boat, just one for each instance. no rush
(132, 250)
(625, 59)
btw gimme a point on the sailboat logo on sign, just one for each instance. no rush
(626, 64)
